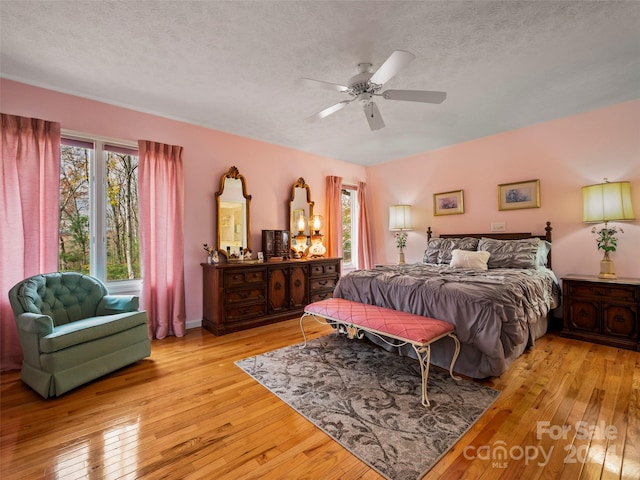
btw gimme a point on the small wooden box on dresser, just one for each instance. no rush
(238, 296)
(602, 311)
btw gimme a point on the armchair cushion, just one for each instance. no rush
(88, 329)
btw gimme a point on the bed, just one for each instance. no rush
(497, 289)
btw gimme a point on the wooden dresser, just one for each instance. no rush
(602, 311)
(239, 296)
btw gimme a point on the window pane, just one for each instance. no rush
(346, 225)
(123, 245)
(74, 209)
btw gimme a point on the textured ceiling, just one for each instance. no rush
(233, 66)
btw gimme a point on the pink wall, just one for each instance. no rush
(564, 154)
(269, 170)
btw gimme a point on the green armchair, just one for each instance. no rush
(72, 331)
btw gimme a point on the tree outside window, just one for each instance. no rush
(99, 233)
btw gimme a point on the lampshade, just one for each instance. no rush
(400, 217)
(607, 201)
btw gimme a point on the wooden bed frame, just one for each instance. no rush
(500, 236)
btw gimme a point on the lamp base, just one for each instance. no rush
(401, 259)
(607, 270)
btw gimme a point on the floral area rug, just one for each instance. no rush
(368, 400)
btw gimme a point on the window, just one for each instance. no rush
(349, 217)
(99, 232)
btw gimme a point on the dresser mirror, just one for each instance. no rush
(300, 204)
(232, 203)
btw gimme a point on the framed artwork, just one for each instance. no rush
(514, 196)
(448, 203)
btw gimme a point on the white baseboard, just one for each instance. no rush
(193, 324)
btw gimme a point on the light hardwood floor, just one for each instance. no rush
(189, 412)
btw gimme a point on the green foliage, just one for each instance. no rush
(122, 232)
(401, 239)
(606, 238)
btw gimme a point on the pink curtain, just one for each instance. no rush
(161, 197)
(333, 224)
(29, 190)
(365, 250)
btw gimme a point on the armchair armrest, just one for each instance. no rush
(31, 328)
(35, 323)
(112, 304)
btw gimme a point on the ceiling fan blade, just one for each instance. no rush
(423, 96)
(329, 110)
(325, 85)
(373, 116)
(392, 65)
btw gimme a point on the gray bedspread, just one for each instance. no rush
(494, 311)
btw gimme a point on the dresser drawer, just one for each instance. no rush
(324, 269)
(244, 312)
(323, 283)
(316, 297)
(245, 295)
(242, 277)
(612, 292)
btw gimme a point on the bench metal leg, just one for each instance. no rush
(318, 319)
(455, 356)
(304, 335)
(424, 357)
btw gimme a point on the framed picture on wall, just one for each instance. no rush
(448, 203)
(514, 196)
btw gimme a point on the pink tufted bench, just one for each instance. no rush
(355, 318)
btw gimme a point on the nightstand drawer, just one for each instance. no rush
(617, 292)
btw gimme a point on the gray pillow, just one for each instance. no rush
(511, 253)
(439, 249)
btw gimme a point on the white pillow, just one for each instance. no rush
(468, 259)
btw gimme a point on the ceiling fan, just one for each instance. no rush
(365, 85)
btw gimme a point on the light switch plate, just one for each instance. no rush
(498, 227)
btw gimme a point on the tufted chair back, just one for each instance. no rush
(64, 296)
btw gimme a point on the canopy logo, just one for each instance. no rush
(499, 454)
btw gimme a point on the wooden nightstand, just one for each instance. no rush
(602, 311)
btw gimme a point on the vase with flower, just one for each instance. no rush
(401, 242)
(607, 242)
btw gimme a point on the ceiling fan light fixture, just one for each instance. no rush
(365, 84)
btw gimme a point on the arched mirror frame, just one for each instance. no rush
(233, 173)
(301, 184)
